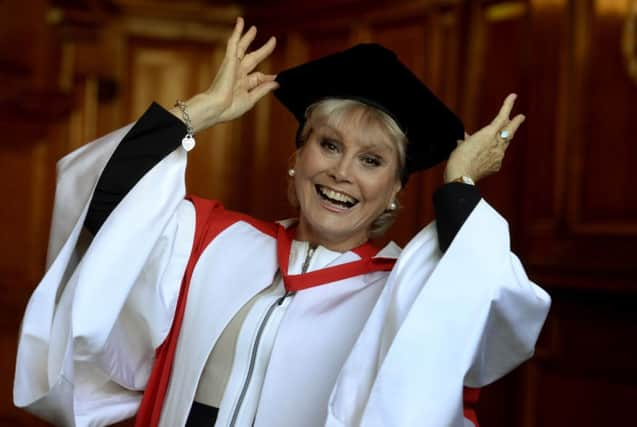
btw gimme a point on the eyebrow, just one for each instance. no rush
(378, 145)
(366, 145)
(321, 125)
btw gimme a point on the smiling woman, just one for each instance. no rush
(180, 312)
(347, 173)
(378, 131)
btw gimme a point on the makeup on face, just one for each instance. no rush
(346, 176)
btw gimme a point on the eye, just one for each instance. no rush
(371, 161)
(329, 145)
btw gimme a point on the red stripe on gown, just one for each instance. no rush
(206, 229)
(298, 282)
(470, 399)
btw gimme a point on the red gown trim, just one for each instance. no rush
(206, 229)
(298, 282)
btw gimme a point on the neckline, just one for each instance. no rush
(297, 282)
(364, 250)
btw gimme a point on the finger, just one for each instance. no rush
(512, 128)
(233, 41)
(251, 60)
(245, 41)
(514, 124)
(262, 90)
(503, 115)
(255, 79)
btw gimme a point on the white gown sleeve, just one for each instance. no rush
(442, 323)
(92, 325)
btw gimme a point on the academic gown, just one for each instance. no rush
(422, 332)
(153, 137)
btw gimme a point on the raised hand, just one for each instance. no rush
(236, 87)
(481, 154)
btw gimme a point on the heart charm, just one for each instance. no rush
(188, 142)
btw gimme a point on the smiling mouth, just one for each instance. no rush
(334, 197)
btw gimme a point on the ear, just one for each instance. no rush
(397, 188)
(292, 160)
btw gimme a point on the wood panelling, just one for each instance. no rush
(499, 40)
(602, 166)
(72, 71)
(543, 178)
(585, 372)
(163, 72)
(580, 215)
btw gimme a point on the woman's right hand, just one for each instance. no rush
(236, 87)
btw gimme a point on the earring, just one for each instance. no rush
(291, 172)
(392, 206)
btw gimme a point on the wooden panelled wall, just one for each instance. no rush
(71, 71)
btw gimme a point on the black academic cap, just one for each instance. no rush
(372, 74)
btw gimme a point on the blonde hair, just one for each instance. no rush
(334, 112)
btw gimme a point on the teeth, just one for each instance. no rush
(334, 195)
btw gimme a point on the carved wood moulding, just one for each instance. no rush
(600, 200)
(329, 15)
(195, 10)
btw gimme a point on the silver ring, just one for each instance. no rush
(504, 135)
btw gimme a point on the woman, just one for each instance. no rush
(215, 316)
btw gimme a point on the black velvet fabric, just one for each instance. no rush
(202, 415)
(157, 133)
(373, 75)
(453, 203)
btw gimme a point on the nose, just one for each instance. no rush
(341, 170)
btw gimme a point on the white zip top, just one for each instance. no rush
(256, 339)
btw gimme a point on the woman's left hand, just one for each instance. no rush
(481, 154)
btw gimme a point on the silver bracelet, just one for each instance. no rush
(188, 141)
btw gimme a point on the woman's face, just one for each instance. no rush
(345, 176)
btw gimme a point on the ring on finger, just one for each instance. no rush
(504, 135)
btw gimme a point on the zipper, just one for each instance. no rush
(279, 301)
(253, 355)
(308, 257)
(287, 294)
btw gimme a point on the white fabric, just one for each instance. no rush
(492, 315)
(265, 311)
(80, 359)
(91, 326)
(319, 328)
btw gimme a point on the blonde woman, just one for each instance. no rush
(180, 312)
